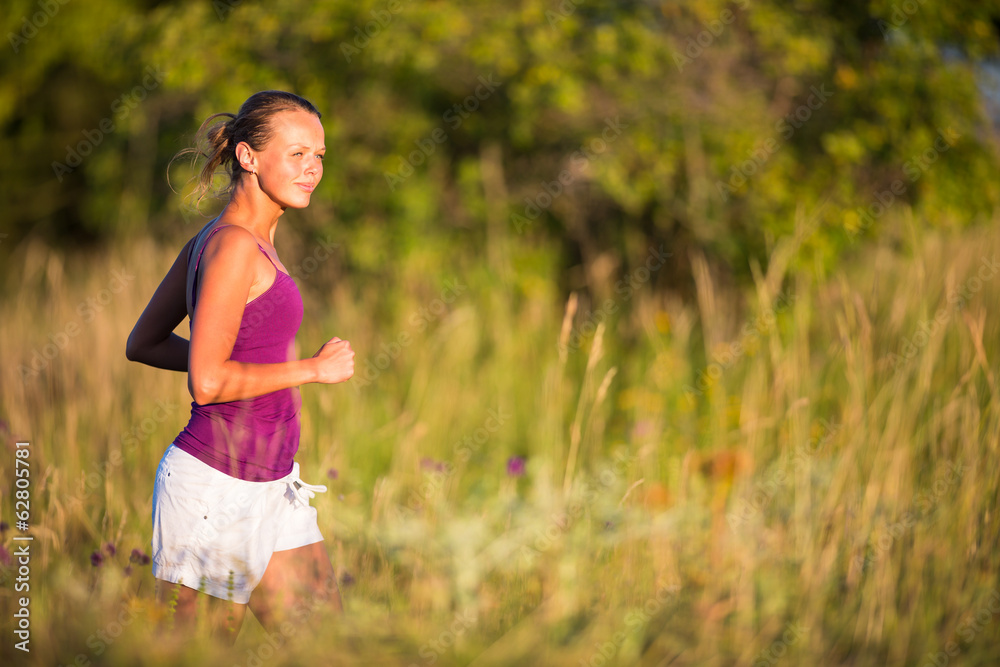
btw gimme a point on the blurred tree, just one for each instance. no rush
(605, 128)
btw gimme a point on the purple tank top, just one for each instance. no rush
(253, 439)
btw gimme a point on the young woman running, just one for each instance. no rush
(231, 518)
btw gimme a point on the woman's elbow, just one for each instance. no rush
(203, 394)
(204, 388)
(133, 350)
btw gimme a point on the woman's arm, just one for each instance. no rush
(152, 341)
(229, 269)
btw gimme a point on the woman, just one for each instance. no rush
(231, 519)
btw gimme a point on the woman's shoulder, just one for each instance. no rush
(230, 239)
(232, 236)
(224, 247)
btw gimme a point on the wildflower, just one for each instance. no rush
(4, 527)
(515, 466)
(139, 557)
(96, 559)
(128, 570)
(110, 548)
(331, 473)
(346, 579)
(5, 557)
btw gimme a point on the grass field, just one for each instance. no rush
(802, 474)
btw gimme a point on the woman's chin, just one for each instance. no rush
(297, 201)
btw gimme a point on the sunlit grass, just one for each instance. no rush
(828, 496)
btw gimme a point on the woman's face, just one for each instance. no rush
(291, 165)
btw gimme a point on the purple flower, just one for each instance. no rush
(128, 570)
(331, 473)
(96, 559)
(5, 557)
(346, 579)
(515, 466)
(110, 548)
(4, 527)
(139, 557)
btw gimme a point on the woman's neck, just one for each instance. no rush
(253, 210)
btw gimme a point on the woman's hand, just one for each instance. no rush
(334, 361)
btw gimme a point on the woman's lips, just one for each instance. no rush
(308, 187)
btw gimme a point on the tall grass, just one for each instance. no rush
(823, 492)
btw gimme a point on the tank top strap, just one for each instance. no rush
(269, 259)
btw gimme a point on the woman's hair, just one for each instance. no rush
(217, 139)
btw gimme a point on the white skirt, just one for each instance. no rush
(216, 533)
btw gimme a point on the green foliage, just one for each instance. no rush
(703, 160)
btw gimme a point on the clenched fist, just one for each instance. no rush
(334, 361)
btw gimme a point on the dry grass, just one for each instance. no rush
(815, 500)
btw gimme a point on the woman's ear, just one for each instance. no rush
(245, 156)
